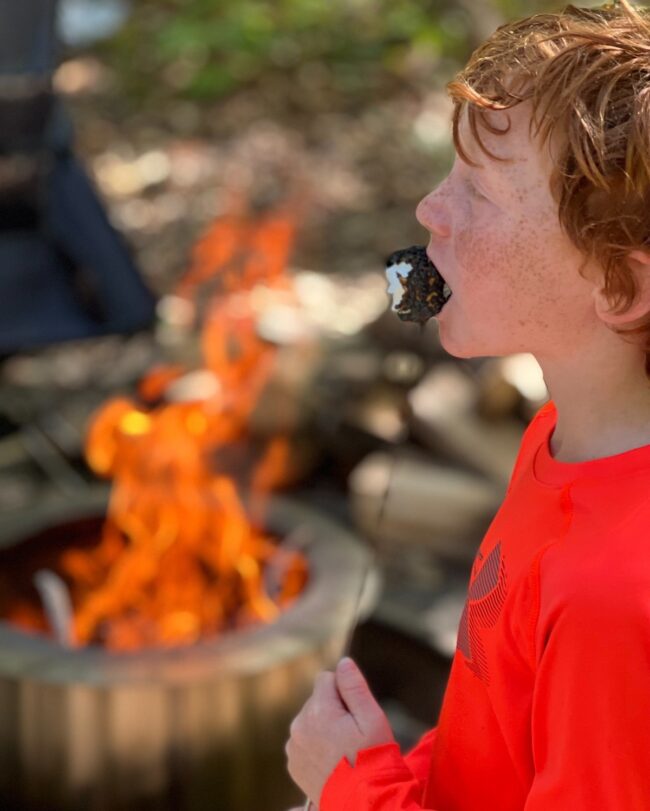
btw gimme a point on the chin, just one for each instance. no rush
(460, 348)
(464, 347)
(466, 352)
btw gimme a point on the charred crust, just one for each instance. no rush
(423, 287)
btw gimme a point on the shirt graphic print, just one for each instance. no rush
(485, 597)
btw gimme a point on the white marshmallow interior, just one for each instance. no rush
(393, 273)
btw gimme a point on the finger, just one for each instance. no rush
(357, 696)
(326, 692)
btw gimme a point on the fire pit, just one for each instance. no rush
(195, 727)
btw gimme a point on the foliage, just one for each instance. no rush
(207, 48)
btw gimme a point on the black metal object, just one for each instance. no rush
(65, 272)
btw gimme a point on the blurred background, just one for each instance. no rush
(218, 447)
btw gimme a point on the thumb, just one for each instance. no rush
(354, 690)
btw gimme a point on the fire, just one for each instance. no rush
(179, 557)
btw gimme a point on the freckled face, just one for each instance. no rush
(497, 240)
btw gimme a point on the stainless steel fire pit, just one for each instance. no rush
(185, 729)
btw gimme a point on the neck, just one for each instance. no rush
(602, 399)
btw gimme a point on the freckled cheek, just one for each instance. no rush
(483, 254)
(470, 236)
(508, 257)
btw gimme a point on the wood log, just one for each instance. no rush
(444, 417)
(285, 405)
(512, 386)
(524, 373)
(407, 501)
(390, 333)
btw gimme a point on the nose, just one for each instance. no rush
(433, 213)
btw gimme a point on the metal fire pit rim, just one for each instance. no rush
(320, 617)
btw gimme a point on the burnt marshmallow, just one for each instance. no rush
(419, 291)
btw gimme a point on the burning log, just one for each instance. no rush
(402, 502)
(185, 729)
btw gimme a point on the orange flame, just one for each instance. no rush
(179, 558)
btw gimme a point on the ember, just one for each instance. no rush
(179, 558)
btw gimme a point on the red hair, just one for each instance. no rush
(587, 74)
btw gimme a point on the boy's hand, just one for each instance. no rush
(340, 718)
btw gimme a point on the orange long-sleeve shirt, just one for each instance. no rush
(547, 707)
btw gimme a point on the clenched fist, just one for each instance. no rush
(339, 719)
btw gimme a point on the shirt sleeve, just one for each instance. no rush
(591, 703)
(381, 779)
(418, 759)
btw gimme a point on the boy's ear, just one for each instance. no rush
(639, 264)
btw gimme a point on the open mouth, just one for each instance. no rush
(418, 289)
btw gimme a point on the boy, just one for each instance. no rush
(542, 231)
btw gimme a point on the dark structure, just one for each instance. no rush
(64, 271)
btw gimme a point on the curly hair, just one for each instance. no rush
(586, 73)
